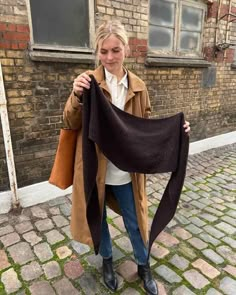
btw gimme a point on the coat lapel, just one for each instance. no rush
(99, 75)
(135, 85)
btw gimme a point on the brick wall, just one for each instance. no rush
(37, 91)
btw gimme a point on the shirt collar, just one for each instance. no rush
(124, 80)
(109, 76)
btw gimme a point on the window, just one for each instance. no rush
(175, 28)
(233, 65)
(65, 25)
(232, 40)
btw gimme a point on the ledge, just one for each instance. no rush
(233, 65)
(39, 55)
(176, 62)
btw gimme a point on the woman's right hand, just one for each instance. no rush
(81, 82)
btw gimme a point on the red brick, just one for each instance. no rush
(132, 47)
(5, 45)
(139, 42)
(134, 41)
(14, 46)
(11, 27)
(22, 28)
(142, 48)
(233, 9)
(142, 41)
(15, 36)
(212, 10)
(219, 56)
(135, 54)
(3, 27)
(229, 55)
(224, 10)
(22, 45)
(209, 53)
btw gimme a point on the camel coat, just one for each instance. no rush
(138, 104)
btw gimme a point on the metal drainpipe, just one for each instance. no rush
(217, 22)
(8, 144)
(228, 24)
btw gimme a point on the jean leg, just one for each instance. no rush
(125, 197)
(105, 249)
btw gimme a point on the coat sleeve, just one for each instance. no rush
(72, 115)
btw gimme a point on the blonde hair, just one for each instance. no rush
(108, 28)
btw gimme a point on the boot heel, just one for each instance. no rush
(149, 283)
(109, 276)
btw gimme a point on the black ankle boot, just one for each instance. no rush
(149, 283)
(109, 275)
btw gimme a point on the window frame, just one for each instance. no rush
(233, 65)
(232, 41)
(63, 53)
(176, 53)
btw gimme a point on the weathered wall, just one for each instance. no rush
(37, 91)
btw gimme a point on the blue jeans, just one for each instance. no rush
(125, 198)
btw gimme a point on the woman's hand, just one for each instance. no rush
(81, 82)
(187, 127)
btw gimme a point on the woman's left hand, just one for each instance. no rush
(187, 127)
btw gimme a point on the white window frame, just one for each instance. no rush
(177, 29)
(90, 49)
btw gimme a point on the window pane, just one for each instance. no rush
(160, 38)
(63, 22)
(191, 18)
(189, 41)
(162, 13)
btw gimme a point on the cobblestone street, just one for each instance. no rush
(196, 254)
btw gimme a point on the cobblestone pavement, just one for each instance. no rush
(194, 255)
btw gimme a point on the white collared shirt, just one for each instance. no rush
(118, 90)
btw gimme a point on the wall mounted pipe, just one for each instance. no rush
(8, 144)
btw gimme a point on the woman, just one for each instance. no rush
(124, 192)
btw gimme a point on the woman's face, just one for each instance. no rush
(111, 53)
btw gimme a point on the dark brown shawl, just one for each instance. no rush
(133, 144)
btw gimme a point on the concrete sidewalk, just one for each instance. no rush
(195, 255)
